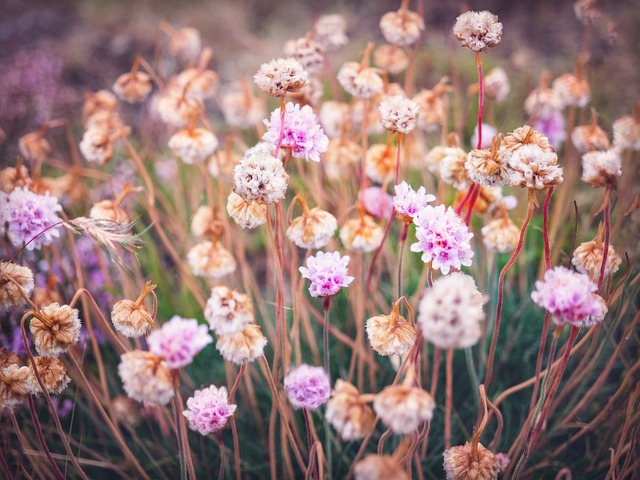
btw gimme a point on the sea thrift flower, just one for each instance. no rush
(29, 217)
(361, 233)
(390, 334)
(14, 386)
(601, 169)
(451, 312)
(102, 101)
(53, 374)
(587, 258)
(553, 127)
(307, 387)
(193, 145)
(280, 76)
(125, 411)
(260, 176)
(407, 202)
(402, 27)
(205, 223)
(13, 177)
(501, 235)
(327, 272)
(34, 147)
(176, 108)
(443, 238)
(391, 58)
(403, 408)
(329, 31)
(626, 132)
(399, 114)
(196, 83)
(133, 319)
(572, 90)
(185, 43)
(207, 411)
(108, 210)
(210, 260)
(242, 109)
(566, 295)
(133, 87)
(376, 202)
(588, 138)
(10, 295)
(341, 155)
(496, 84)
(463, 463)
(595, 318)
(178, 341)
(334, 117)
(242, 347)
(380, 162)
(228, 311)
(379, 467)
(55, 328)
(432, 107)
(302, 132)
(96, 145)
(308, 52)
(246, 214)
(478, 30)
(359, 81)
(313, 229)
(351, 417)
(542, 102)
(487, 167)
(146, 377)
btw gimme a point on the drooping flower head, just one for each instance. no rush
(307, 386)
(328, 273)
(404, 407)
(408, 202)
(228, 311)
(602, 169)
(55, 328)
(10, 295)
(207, 411)
(402, 28)
(178, 341)
(145, 377)
(443, 238)
(463, 462)
(313, 229)
(242, 347)
(348, 413)
(329, 31)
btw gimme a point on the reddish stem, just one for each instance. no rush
(472, 202)
(448, 400)
(398, 159)
(607, 234)
(43, 443)
(480, 97)
(281, 136)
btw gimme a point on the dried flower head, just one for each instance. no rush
(246, 214)
(55, 328)
(260, 176)
(197, 83)
(466, 462)
(193, 145)
(210, 260)
(542, 103)
(361, 233)
(176, 108)
(307, 51)
(108, 210)
(207, 411)
(184, 43)
(626, 133)
(398, 114)
(451, 165)
(501, 235)
(242, 109)
(313, 229)
(102, 101)
(329, 31)
(13, 177)
(205, 223)
(327, 272)
(132, 318)
(133, 87)
(496, 84)
(178, 341)
(588, 138)
(307, 387)
(478, 30)
(7, 358)
(432, 107)
(334, 118)
(280, 76)
(125, 411)
(350, 415)
(602, 168)
(390, 58)
(379, 467)
(380, 162)
(487, 167)
(359, 81)
(242, 347)
(10, 294)
(341, 155)
(228, 311)
(53, 374)
(587, 258)
(572, 90)
(451, 313)
(391, 334)
(14, 386)
(403, 408)
(34, 147)
(402, 27)
(146, 377)
(407, 202)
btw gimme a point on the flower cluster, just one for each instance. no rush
(327, 272)
(207, 411)
(178, 341)
(307, 387)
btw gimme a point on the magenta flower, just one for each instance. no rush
(443, 238)
(28, 216)
(327, 272)
(567, 296)
(376, 202)
(178, 341)
(208, 409)
(307, 387)
(408, 202)
(302, 132)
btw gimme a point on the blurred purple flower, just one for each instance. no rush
(553, 128)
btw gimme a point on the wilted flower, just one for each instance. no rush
(432, 107)
(329, 31)
(542, 102)
(133, 87)
(390, 334)
(133, 319)
(307, 387)
(626, 132)
(205, 223)
(13, 177)
(108, 210)
(242, 347)
(242, 109)
(14, 386)
(391, 58)
(280, 76)
(34, 147)
(308, 52)
(407, 202)
(361, 233)
(246, 214)
(402, 28)
(350, 415)
(197, 83)
(398, 114)
(487, 167)
(359, 81)
(572, 90)
(53, 374)
(207, 411)
(178, 341)
(10, 295)
(501, 235)
(228, 311)
(327, 272)
(99, 102)
(260, 176)
(210, 260)
(146, 377)
(193, 145)
(496, 84)
(601, 168)
(379, 467)
(465, 462)
(587, 258)
(341, 155)
(54, 328)
(403, 408)
(313, 229)
(176, 108)
(97, 145)
(478, 30)
(588, 138)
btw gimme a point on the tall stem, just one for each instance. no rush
(448, 400)
(325, 336)
(307, 424)
(607, 233)
(480, 98)
(403, 241)
(397, 179)
(43, 443)
(223, 456)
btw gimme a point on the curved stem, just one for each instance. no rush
(307, 424)
(43, 443)
(607, 233)
(383, 437)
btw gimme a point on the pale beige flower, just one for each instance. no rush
(587, 258)
(241, 109)
(280, 76)
(13, 177)
(361, 233)
(587, 138)
(246, 214)
(360, 81)
(542, 102)
(210, 260)
(379, 467)
(602, 168)
(307, 51)
(54, 328)
(398, 114)
(14, 386)
(464, 462)
(53, 374)
(501, 235)
(432, 106)
(403, 408)
(96, 145)
(125, 411)
(334, 118)
(486, 167)
(176, 108)
(478, 30)
(380, 162)
(205, 223)
(391, 58)
(572, 90)
(403, 27)
(626, 132)
(7, 358)
(391, 334)
(146, 377)
(132, 318)
(496, 84)
(197, 83)
(102, 101)
(340, 156)
(313, 229)
(108, 210)
(329, 31)
(228, 311)
(133, 87)
(10, 295)
(184, 43)
(348, 413)
(242, 347)
(34, 147)
(193, 145)
(260, 176)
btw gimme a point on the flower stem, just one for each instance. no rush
(448, 400)
(607, 233)
(480, 98)
(307, 424)
(403, 241)
(43, 443)
(281, 136)
(223, 456)
(397, 178)
(325, 335)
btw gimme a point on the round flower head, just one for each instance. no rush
(14, 386)
(13, 177)
(478, 30)
(391, 334)
(566, 295)
(10, 295)
(313, 229)
(432, 107)
(341, 155)
(100, 101)
(542, 102)
(176, 108)
(246, 214)
(462, 462)
(595, 318)
(329, 31)
(96, 146)
(260, 176)
(242, 347)
(55, 328)
(407, 202)
(402, 27)
(196, 83)
(193, 145)
(308, 52)
(29, 217)
(487, 167)
(601, 169)
(451, 313)
(501, 235)
(242, 109)
(359, 81)
(334, 117)
(178, 341)
(228, 311)
(626, 132)
(307, 387)
(352, 418)
(379, 467)
(588, 138)
(403, 408)
(361, 233)
(133, 87)
(496, 84)
(380, 162)
(572, 90)
(553, 127)
(146, 377)
(210, 260)
(205, 223)
(207, 411)
(376, 202)
(133, 319)
(391, 58)
(327, 272)
(185, 43)
(34, 147)
(108, 210)
(53, 374)
(443, 238)
(280, 76)
(587, 258)
(399, 114)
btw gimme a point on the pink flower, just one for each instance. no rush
(27, 215)
(208, 409)
(567, 296)
(178, 341)
(376, 202)
(443, 238)
(307, 387)
(553, 127)
(327, 272)
(302, 132)
(408, 202)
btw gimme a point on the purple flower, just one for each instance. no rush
(179, 341)
(443, 238)
(327, 272)
(376, 202)
(307, 387)
(567, 296)
(408, 202)
(302, 132)
(29, 216)
(208, 409)
(553, 127)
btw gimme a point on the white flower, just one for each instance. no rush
(399, 114)
(260, 176)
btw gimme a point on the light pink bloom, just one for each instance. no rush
(327, 272)
(443, 238)
(178, 341)
(376, 202)
(553, 127)
(307, 387)
(208, 409)
(302, 132)
(409, 202)
(567, 296)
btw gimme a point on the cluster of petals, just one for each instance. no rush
(260, 176)
(207, 411)
(327, 272)
(399, 114)
(178, 341)
(307, 387)
(407, 202)
(280, 76)
(478, 30)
